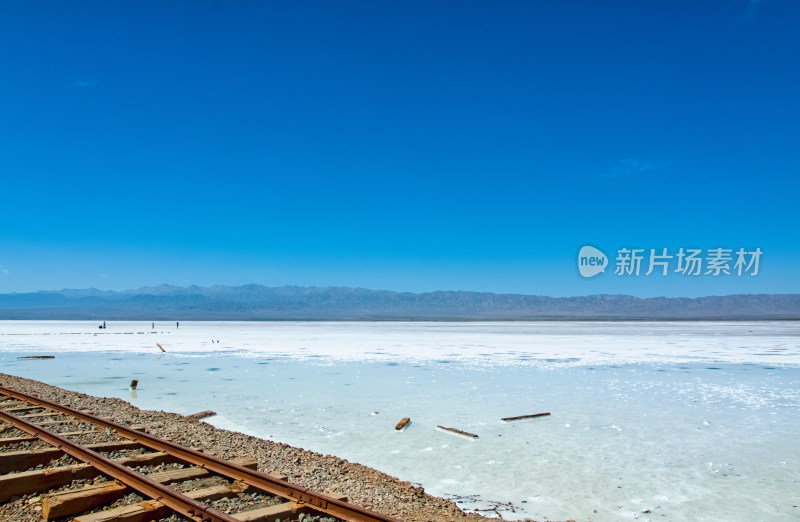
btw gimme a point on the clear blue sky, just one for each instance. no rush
(397, 145)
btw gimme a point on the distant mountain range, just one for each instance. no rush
(257, 302)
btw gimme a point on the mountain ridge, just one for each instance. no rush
(259, 302)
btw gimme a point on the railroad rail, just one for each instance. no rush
(165, 500)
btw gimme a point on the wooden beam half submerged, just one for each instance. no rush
(458, 432)
(521, 417)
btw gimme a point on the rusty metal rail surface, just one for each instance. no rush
(317, 501)
(180, 503)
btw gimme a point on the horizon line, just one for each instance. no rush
(386, 290)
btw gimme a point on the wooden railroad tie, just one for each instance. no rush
(67, 503)
(26, 482)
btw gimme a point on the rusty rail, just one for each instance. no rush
(177, 502)
(281, 488)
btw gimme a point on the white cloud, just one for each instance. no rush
(3, 269)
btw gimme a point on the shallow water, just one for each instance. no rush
(685, 420)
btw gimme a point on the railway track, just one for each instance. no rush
(48, 449)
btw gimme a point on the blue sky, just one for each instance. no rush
(410, 146)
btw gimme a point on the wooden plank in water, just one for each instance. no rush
(520, 417)
(201, 415)
(403, 422)
(459, 432)
(38, 357)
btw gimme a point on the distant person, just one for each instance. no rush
(177, 324)
(104, 325)
(154, 326)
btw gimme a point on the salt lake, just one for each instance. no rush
(649, 420)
